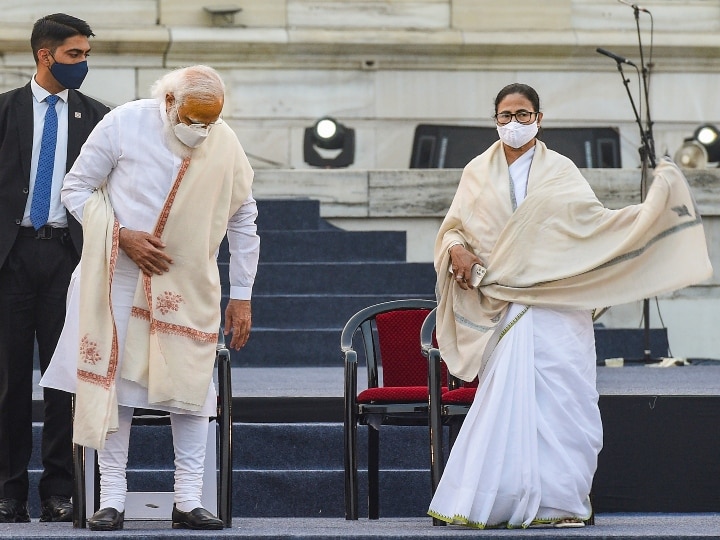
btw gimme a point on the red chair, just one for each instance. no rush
(397, 392)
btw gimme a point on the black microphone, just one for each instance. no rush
(619, 59)
(634, 6)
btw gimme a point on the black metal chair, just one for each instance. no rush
(390, 333)
(220, 458)
(446, 407)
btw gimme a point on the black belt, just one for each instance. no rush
(46, 232)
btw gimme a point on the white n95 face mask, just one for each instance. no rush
(191, 136)
(516, 135)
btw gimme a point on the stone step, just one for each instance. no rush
(305, 311)
(290, 470)
(616, 525)
(289, 214)
(334, 245)
(369, 277)
(308, 446)
(275, 347)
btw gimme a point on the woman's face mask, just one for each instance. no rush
(516, 135)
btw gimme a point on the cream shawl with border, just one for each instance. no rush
(561, 248)
(173, 329)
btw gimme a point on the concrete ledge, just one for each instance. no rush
(427, 193)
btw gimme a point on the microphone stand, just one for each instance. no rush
(647, 160)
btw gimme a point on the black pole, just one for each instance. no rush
(647, 150)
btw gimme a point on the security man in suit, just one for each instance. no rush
(42, 127)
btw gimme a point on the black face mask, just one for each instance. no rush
(69, 75)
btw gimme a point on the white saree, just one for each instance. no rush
(527, 450)
(528, 447)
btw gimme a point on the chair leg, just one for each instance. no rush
(436, 458)
(436, 431)
(79, 494)
(225, 434)
(454, 429)
(373, 472)
(350, 442)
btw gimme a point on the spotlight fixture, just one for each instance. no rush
(709, 136)
(329, 144)
(701, 148)
(691, 155)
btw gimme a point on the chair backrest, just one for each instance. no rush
(428, 340)
(402, 361)
(390, 333)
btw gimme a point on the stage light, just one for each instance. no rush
(691, 155)
(709, 136)
(329, 144)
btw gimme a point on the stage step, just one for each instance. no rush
(312, 277)
(607, 526)
(288, 470)
(658, 453)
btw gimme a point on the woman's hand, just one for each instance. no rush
(462, 262)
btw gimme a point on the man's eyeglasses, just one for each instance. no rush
(523, 117)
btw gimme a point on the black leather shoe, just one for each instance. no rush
(56, 508)
(106, 519)
(199, 518)
(13, 511)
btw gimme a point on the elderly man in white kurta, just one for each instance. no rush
(157, 186)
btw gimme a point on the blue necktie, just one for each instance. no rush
(40, 207)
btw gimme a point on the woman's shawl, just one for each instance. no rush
(561, 248)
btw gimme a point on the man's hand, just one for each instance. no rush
(238, 320)
(146, 251)
(462, 262)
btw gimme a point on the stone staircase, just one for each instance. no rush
(313, 277)
(288, 450)
(288, 447)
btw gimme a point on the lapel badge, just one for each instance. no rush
(78, 114)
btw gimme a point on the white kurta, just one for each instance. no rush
(528, 447)
(137, 197)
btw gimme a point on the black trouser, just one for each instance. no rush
(33, 288)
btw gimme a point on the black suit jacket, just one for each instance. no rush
(16, 136)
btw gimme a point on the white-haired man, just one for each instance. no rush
(157, 186)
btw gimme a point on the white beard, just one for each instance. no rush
(173, 143)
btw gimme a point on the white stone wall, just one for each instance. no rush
(385, 66)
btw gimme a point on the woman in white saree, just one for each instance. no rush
(527, 451)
